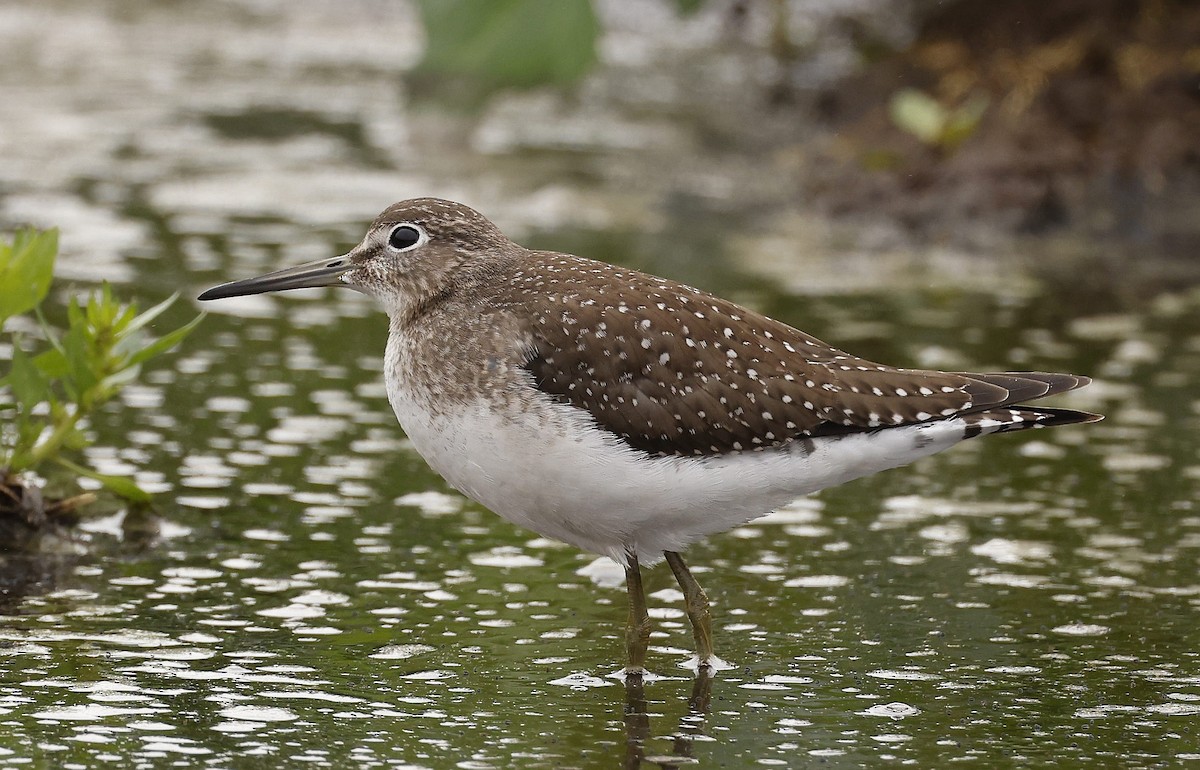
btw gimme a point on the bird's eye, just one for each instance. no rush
(404, 237)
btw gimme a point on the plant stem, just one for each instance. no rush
(50, 446)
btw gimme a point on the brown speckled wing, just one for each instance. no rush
(672, 370)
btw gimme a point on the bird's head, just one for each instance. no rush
(412, 251)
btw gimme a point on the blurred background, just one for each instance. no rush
(958, 184)
(762, 134)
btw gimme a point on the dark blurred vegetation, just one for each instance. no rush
(1029, 117)
(1092, 121)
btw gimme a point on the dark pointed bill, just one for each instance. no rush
(323, 272)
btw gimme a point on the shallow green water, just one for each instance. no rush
(313, 595)
(319, 595)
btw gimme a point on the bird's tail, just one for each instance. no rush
(1011, 414)
(1022, 418)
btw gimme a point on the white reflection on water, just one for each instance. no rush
(817, 581)
(259, 713)
(400, 651)
(137, 638)
(895, 710)
(1005, 551)
(582, 681)
(208, 503)
(1081, 629)
(432, 503)
(292, 612)
(907, 674)
(272, 535)
(907, 509)
(505, 557)
(306, 429)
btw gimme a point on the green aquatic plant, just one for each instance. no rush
(510, 43)
(54, 379)
(497, 44)
(934, 124)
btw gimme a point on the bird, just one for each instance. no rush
(630, 415)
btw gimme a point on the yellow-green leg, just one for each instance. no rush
(697, 608)
(637, 632)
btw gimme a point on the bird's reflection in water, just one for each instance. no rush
(637, 725)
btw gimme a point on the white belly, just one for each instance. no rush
(551, 470)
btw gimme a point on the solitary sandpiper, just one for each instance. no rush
(631, 415)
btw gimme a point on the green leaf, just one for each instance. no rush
(128, 326)
(519, 43)
(117, 380)
(964, 120)
(26, 267)
(28, 385)
(81, 375)
(75, 315)
(52, 363)
(125, 317)
(118, 485)
(925, 118)
(919, 114)
(688, 6)
(48, 331)
(164, 343)
(75, 439)
(151, 314)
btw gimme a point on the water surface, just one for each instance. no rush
(312, 593)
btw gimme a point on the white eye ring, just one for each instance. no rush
(406, 236)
